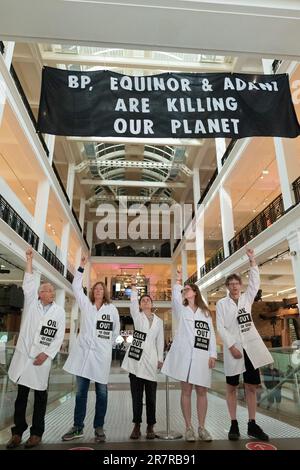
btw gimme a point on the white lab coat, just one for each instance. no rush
(236, 327)
(193, 345)
(90, 356)
(39, 332)
(147, 347)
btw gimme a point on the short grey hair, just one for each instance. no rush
(45, 284)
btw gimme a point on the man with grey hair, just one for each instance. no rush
(41, 334)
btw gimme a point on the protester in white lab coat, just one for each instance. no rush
(41, 335)
(243, 348)
(192, 354)
(143, 359)
(90, 356)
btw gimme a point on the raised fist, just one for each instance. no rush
(29, 253)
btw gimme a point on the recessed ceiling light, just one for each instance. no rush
(265, 172)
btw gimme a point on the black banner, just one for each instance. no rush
(176, 105)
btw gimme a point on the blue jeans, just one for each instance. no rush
(81, 402)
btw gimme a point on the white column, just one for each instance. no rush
(7, 58)
(82, 212)
(50, 142)
(64, 245)
(8, 53)
(196, 187)
(89, 234)
(60, 297)
(172, 237)
(73, 323)
(199, 224)
(199, 247)
(70, 182)
(220, 150)
(40, 211)
(226, 218)
(184, 267)
(173, 282)
(294, 246)
(286, 189)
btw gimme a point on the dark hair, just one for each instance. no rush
(232, 277)
(106, 299)
(143, 296)
(198, 300)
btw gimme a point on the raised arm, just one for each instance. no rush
(134, 302)
(177, 297)
(82, 300)
(29, 287)
(254, 280)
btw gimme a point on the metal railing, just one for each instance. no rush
(263, 220)
(214, 261)
(52, 259)
(27, 106)
(60, 182)
(69, 276)
(228, 150)
(192, 279)
(209, 185)
(12, 218)
(76, 219)
(296, 189)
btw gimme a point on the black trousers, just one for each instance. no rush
(137, 386)
(39, 411)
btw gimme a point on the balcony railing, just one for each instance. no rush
(212, 262)
(76, 219)
(192, 279)
(132, 250)
(263, 220)
(27, 106)
(12, 218)
(209, 185)
(69, 276)
(296, 189)
(228, 150)
(52, 259)
(60, 182)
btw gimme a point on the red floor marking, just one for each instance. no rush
(260, 446)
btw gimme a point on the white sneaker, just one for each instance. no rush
(190, 435)
(204, 434)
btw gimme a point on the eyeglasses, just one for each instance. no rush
(234, 284)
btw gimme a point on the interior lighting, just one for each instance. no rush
(286, 290)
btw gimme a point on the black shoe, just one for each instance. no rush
(234, 432)
(255, 431)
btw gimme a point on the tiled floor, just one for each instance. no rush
(118, 419)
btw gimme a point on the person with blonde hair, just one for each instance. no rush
(192, 354)
(90, 356)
